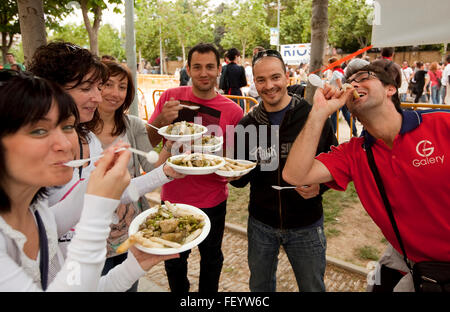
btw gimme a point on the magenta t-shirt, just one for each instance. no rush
(203, 191)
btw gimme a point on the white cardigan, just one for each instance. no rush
(81, 270)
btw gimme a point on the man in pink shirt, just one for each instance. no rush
(207, 192)
(410, 150)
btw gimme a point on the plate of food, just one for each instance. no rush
(208, 144)
(167, 229)
(235, 168)
(195, 163)
(182, 131)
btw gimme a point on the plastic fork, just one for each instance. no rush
(80, 162)
(192, 107)
(279, 188)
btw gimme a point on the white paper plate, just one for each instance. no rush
(233, 174)
(208, 148)
(195, 170)
(182, 138)
(134, 227)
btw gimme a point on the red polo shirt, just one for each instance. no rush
(416, 176)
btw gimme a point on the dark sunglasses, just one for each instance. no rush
(261, 54)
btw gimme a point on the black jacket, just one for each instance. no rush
(279, 209)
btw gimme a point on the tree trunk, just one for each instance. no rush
(183, 49)
(32, 26)
(6, 45)
(319, 36)
(92, 30)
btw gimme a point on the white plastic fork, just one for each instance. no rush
(192, 107)
(279, 188)
(151, 156)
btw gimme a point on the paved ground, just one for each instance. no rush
(235, 273)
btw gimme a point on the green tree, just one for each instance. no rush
(109, 41)
(54, 10)
(179, 25)
(349, 27)
(95, 8)
(245, 25)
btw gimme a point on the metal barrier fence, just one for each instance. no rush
(413, 106)
(248, 100)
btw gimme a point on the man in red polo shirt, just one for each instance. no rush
(410, 150)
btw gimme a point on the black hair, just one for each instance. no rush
(25, 99)
(387, 52)
(233, 53)
(203, 48)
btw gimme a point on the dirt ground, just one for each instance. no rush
(356, 230)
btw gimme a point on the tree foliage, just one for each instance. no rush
(55, 11)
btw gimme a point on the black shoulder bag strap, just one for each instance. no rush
(43, 248)
(376, 175)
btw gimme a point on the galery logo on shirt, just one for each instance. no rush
(425, 149)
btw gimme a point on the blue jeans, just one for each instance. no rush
(305, 249)
(435, 94)
(443, 90)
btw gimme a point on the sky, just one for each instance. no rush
(109, 17)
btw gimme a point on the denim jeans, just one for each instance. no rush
(110, 263)
(305, 248)
(435, 94)
(443, 91)
(210, 254)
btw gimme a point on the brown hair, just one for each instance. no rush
(63, 63)
(434, 66)
(116, 69)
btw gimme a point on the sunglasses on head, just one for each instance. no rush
(261, 54)
(72, 47)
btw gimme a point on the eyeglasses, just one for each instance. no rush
(361, 76)
(261, 54)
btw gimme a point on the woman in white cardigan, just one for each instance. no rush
(37, 136)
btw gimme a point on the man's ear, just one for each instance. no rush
(391, 90)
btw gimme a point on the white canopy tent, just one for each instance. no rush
(410, 22)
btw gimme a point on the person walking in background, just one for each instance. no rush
(289, 218)
(184, 77)
(234, 76)
(445, 82)
(407, 74)
(421, 80)
(435, 75)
